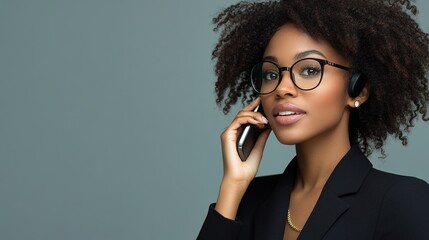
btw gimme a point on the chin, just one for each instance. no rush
(287, 139)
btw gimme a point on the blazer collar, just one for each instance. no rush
(346, 178)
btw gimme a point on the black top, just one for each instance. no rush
(357, 202)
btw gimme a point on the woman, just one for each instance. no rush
(334, 78)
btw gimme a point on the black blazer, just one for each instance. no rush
(357, 202)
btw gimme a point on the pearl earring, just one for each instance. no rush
(357, 103)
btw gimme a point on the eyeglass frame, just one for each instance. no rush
(322, 63)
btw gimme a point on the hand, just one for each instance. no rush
(235, 170)
(238, 174)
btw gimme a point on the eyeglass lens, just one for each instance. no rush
(306, 74)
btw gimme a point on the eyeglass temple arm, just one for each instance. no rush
(337, 65)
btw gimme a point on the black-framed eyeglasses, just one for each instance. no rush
(306, 74)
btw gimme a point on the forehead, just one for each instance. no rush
(289, 41)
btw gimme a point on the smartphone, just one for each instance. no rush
(248, 136)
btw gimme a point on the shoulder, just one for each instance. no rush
(391, 178)
(260, 187)
(406, 193)
(404, 209)
(397, 189)
(397, 185)
(255, 195)
(217, 226)
(264, 182)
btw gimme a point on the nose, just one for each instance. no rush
(286, 86)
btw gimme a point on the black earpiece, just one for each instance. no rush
(356, 84)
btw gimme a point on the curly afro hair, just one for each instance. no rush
(380, 38)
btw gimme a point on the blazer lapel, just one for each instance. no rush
(345, 179)
(270, 219)
(328, 209)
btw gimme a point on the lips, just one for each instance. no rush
(286, 113)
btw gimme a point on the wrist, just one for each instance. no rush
(235, 183)
(230, 195)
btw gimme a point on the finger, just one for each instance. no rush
(239, 122)
(250, 110)
(246, 114)
(255, 115)
(230, 135)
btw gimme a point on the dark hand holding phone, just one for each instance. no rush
(248, 136)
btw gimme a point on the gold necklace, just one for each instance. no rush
(289, 222)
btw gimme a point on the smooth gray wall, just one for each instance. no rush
(108, 126)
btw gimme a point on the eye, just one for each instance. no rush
(270, 75)
(309, 71)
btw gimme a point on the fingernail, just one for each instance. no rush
(264, 120)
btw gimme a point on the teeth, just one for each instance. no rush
(286, 113)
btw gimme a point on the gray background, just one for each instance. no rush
(108, 126)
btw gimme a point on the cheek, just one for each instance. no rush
(328, 102)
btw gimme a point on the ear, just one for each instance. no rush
(361, 98)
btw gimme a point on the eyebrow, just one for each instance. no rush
(306, 53)
(297, 56)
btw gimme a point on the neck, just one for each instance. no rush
(317, 158)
